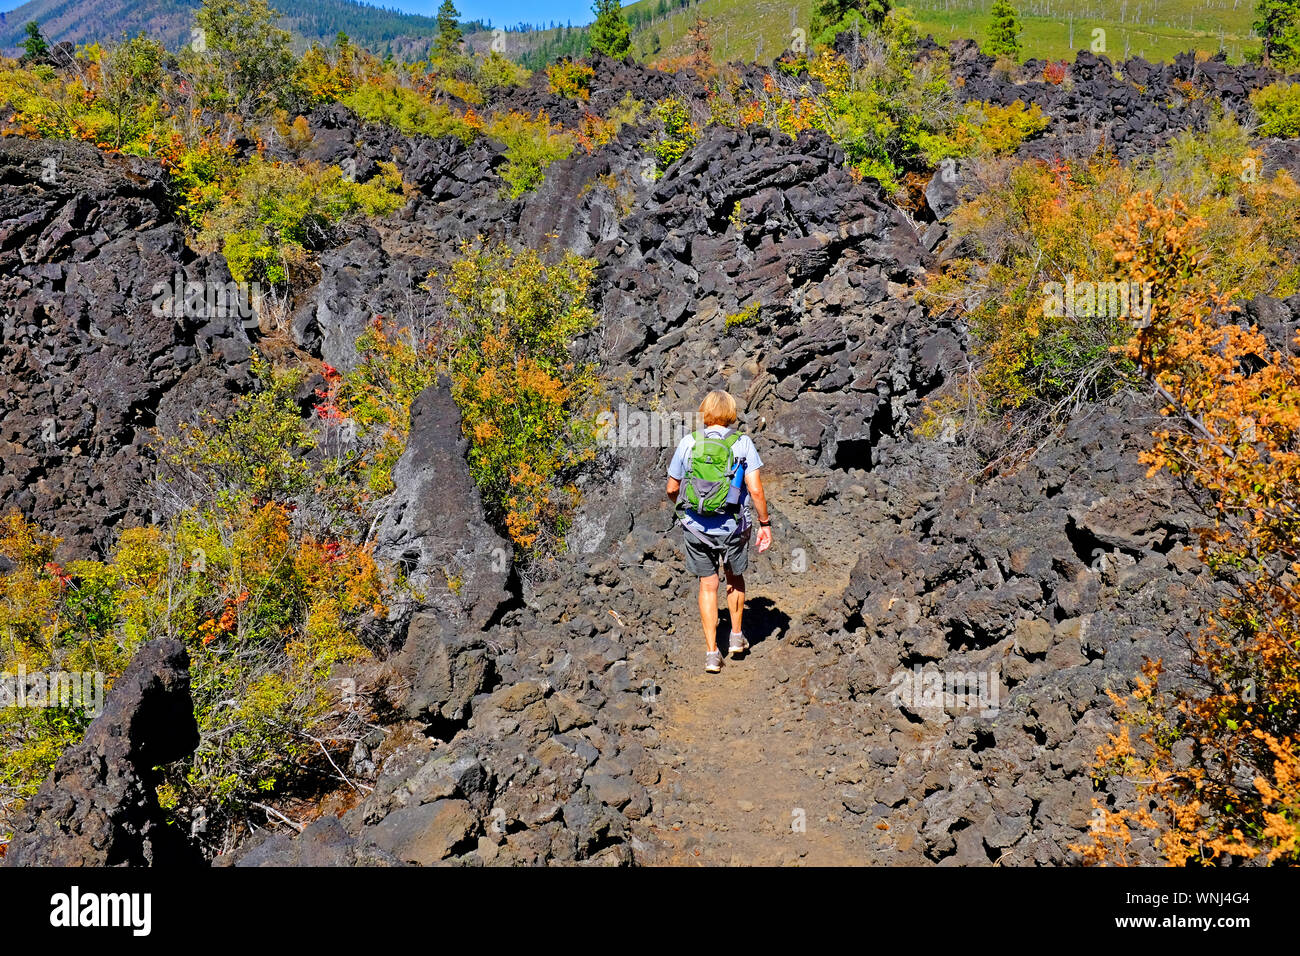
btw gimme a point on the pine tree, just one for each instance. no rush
(447, 43)
(1004, 33)
(35, 44)
(1279, 24)
(250, 52)
(828, 15)
(610, 34)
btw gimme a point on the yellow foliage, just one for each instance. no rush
(1233, 409)
(1035, 223)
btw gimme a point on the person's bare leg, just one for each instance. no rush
(709, 611)
(735, 599)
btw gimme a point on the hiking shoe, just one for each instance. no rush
(738, 644)
(713, 661)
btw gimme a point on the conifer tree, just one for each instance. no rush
(1004, 33)
(610, 34)
(35, 45)
(447, 43)
(1278, 24)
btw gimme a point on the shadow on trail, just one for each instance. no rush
(762, 619)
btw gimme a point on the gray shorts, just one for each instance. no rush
(702, 560)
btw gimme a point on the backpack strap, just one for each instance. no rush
(698, 534)
(680, 507)
(741, 529)
(728, 437)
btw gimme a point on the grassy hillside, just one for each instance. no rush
(1054, 29)
(741, 29)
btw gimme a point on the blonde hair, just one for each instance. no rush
(718, 408)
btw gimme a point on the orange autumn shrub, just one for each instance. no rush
(396, 365)
(524, 400)
(1219, 755)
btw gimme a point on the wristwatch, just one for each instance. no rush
(765, 524)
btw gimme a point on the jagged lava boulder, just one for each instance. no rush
(99, 807)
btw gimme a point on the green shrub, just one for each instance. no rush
(390, 104)
(275, 214)
(1039, 292)
(864, 124)
(524, 400)
(325, 74)
(465, 90)
(532, 144)
(571, 79)
(265, 612)
(259, 453)
(496, 72)
(245, 63)
(131, 81)
(267, 600)
(990, 130)
(54, 105)
(1278, 107)
(200, 175)
(395, 367)
(677, 133)
(895, 113)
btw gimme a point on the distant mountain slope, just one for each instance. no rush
(1053, 29)
(531, 47)
(81, 21)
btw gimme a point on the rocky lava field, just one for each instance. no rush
(564, 716)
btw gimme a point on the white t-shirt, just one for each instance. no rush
(720, 525)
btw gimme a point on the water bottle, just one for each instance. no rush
(737, 485)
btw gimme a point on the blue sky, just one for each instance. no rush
(500, 12)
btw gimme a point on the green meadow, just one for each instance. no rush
(1053, 29)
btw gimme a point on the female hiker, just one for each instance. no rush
(713, 480)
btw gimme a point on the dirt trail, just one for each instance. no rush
(741, 763)
(753, 767)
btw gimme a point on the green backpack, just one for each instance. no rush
(708, 479)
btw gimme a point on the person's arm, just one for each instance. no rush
(754, 483)
(674, 485)
(677, 470)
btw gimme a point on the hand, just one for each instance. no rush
(764, 539)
